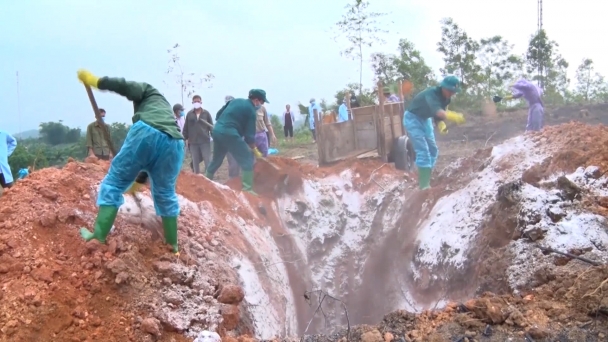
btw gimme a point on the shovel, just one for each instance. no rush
(259, 158)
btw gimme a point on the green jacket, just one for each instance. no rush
(96, 140)
(428, 102)
(150, 106)
(237, 118)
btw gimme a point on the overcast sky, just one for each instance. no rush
(284, 47)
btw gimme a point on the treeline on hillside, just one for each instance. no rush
(55, 144)
(487, 65)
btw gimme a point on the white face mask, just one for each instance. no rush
(196, 105)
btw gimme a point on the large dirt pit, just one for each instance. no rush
(324, 253)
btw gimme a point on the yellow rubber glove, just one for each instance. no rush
(135, 187)
(454, 117)
(508, 97)
(441, 126)
(88, 78)
(257, 153)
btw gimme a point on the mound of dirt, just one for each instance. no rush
(57, 288)
(574, 145)
(54, 287)
(359, 229)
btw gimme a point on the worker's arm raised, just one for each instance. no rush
(134, 91)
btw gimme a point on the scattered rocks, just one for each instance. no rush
(569, 190)
(538, 333)
(117, 266)
(177, 273)
(555, 214)
(43, 274)
(230, 316)
(535, 233)
(48, 194)
(151, 326)
(231, 294)
(48, 219)
(490, 310)
(209, 336)
(372, 336)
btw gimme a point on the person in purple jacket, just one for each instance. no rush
(532, 94)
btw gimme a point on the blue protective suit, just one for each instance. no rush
(148, 149)
(421, 132)
(7, 145)
(23, 173)
(342, 113)
(311, 116)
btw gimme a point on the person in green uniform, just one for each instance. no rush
(153, 144)
(234, 133)
(427, 106)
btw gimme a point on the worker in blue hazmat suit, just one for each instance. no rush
(154, 144)
(7, 146)
(428, 106)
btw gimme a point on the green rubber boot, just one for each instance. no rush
(247, 180)
(170, 228)
(424, 178)
(209, 175)
(103, 224)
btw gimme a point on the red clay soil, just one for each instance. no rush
(54, 286)
(570, 307)
(575, 144)
(276, 176)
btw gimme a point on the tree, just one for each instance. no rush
(384, 66)
(359, 25)
(459, 54)
(539, 56)
(53, 133)
(544, 59)
(276, 123)
(118, 133)
(367, 97)
(73, 135)
(408, 64)
(590, 85)
(188, 82)
(324, 105)
(498, 65)
(21, 158)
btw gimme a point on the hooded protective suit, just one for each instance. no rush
(7, 146)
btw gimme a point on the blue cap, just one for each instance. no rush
(451, 83)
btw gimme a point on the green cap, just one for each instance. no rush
(451, 83)
(258, 94)
(386, 90)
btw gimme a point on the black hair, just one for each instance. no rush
(196, 97)
(101, 110)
